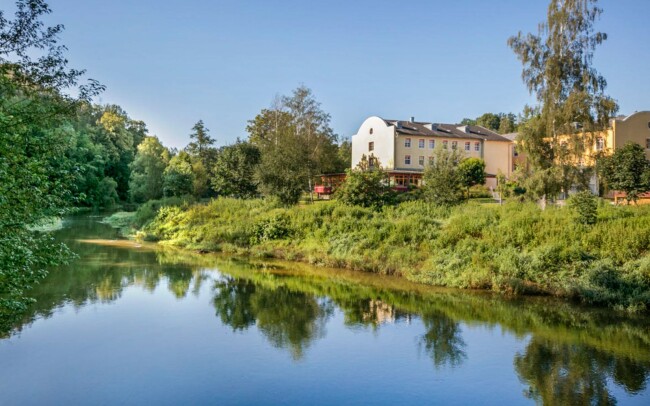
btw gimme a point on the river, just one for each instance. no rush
(131, 323)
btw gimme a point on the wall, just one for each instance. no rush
(498, 157)
(415, 151)
(382, 135)
(633, 128)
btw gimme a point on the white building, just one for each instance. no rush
(404, 148)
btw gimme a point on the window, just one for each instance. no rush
(647, 143)
(444, 144)
(371, 146)
(432, 144)
(370, 131)
(421, 161)
(430, 160)
(421, 143)
(477, 146)
(407, 159)
(600, 144)
(407, 143)
(373, 162)
(514, 151)
(468, 145)
(454, 145)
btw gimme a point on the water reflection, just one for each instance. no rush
(443, 340)
(288, 319)
(560, 373)
(573, 355)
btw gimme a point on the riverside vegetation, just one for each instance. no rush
(515, 248)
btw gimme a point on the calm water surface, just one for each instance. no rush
(140, 325)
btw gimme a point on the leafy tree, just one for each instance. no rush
(627, 170)
(366, 186)
(234, 171)
(201, 150)
(296, 143)
(344, 155)
(201, 142)
(570, 92)
(35, 174)
(178, 178)
(147, 170)
(443, 184)
(472, 172)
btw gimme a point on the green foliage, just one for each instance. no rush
(627, 170)
(557, 68)
(203, 156)
(296, 144)
(443, 184)
(585, 204)
(234, 171)
(147, 170)
(514, 248)
(501, 122)
(366, 186)
(472, 172)
(36, 174)
(178, 177)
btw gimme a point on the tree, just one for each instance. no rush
(442, 179)
(178, 178)
(472, 172)
(570, 92)
(202, 142)
(366, 185)
(627, 170)
(296, 144)
(147, 170)
(235, 169)
(36, 176)
(316, 137)
(203, 156)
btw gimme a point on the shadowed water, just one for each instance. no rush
(130, 323)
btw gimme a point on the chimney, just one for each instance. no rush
(412, 119)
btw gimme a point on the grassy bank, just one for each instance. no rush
(515, 248)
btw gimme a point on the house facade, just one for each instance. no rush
(404, 147)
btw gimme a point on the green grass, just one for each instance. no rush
(515, 248)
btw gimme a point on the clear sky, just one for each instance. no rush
(173, 62)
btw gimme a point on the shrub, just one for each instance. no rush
(585, 205)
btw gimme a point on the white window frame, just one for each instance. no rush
(421, 160)
(477, 146)
(432, 144)
(445, 144)
(454, 145)
(468, 146)
(407, 143)
(407, 159)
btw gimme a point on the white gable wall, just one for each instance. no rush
(383, 136)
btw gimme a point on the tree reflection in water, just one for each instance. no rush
(288, 319)
(443, 340)
(568, 374)
(575, 355)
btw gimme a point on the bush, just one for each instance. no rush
(585, 205)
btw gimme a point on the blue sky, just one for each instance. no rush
(173, 62)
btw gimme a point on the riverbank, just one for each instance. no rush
(515, 248)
